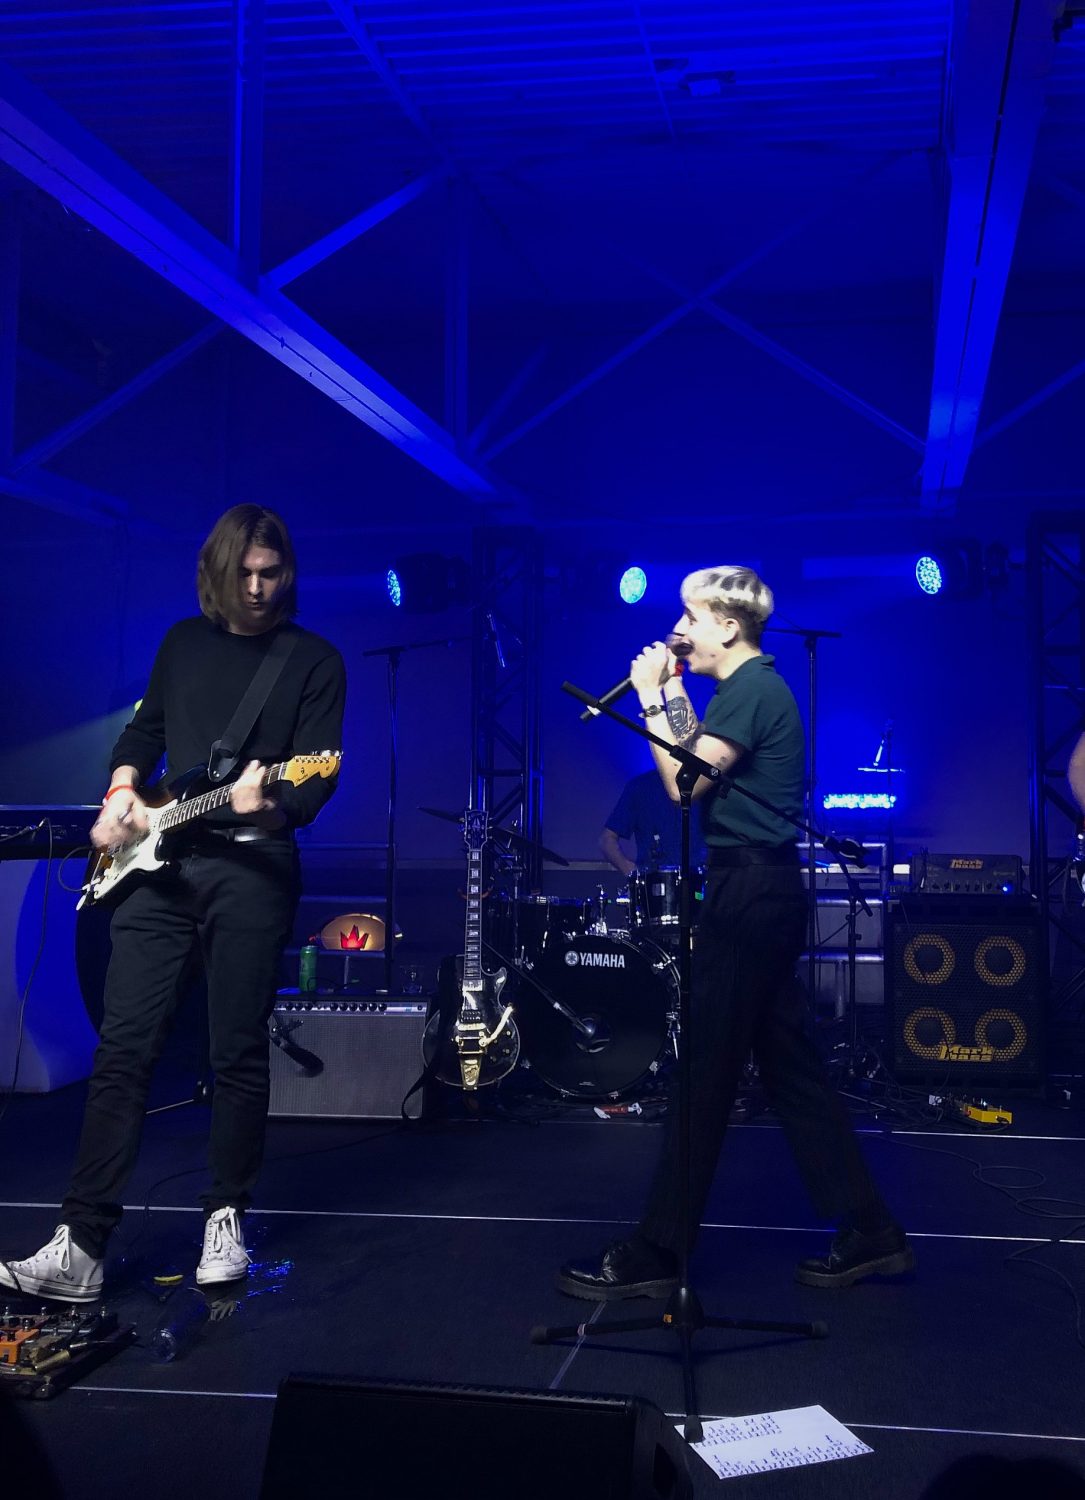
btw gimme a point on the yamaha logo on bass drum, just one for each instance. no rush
(589, 960)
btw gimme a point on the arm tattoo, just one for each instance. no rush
(683, 721)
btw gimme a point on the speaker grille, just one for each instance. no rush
(370, 1059)
(966, 992)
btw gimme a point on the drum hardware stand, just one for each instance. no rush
(586, 1028)
(683, 1313)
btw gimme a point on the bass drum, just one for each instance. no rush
(625, 988)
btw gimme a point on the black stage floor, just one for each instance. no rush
(428, 1254)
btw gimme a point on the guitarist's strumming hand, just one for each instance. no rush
(249, 799)
(122, 820)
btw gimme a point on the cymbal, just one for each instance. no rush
(505, 833)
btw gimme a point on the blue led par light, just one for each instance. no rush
(632, 584)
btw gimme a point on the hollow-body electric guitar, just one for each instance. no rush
(482, 1043)
(169, 809)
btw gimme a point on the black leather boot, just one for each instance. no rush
(626, 1268)
(853, 1255)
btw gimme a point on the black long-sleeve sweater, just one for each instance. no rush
(198, 679)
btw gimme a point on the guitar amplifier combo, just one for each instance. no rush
(346, 1057)
(966, 988)
(374, 1440)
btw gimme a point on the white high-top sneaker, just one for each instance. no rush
(224, 1255)
(59, 1270)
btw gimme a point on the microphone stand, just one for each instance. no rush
(683, 1313)
(394, 655)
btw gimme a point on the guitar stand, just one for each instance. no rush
(683, 1313)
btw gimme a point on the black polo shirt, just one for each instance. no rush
(755, 709)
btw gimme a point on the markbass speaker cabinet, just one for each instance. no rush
(965, 990)
(374, 1441)
(346, 1057)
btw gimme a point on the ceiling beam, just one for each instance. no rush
(247, 136)
(1000, 54)
(66, 498)
(44, 449)
(334, 241)
(41, 141)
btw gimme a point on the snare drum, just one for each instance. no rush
(654, 897)
(527, 925)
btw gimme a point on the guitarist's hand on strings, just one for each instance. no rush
(123, 818)
(249, 798)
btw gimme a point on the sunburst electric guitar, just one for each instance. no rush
(482, 1044)
(167, 811)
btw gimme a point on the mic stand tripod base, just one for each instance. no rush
(685, 1316)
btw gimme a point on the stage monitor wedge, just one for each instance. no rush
(402, 1441)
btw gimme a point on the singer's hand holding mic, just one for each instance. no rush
(658, 662)
(655, 665)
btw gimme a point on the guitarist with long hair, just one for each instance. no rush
(231, 889)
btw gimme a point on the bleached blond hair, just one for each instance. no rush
(732, 592)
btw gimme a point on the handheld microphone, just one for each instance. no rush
(621, 688)
(279, 1032)
(606, 699)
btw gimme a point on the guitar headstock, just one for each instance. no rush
(303, 767)
(476, 828)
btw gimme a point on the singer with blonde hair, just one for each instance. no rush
(752, 928)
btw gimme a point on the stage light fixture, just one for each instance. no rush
(426, 583)
(632, 585)
(953, 570)
(928, 574)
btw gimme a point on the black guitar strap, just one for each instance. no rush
(227, 748)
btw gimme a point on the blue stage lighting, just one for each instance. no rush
(928, 574)
(426, 583)
(859, 801)
(632, 584)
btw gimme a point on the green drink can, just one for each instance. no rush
(307, 968)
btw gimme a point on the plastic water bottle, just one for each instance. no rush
(180, 1324)
(307, 967)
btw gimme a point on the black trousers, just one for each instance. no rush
(744, 997)
(237, 902)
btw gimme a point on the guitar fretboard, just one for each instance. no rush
(184, 812)
(472, 942)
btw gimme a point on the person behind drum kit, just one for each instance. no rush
(752, 929)
(645, 818)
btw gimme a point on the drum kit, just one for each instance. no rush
(594, 982)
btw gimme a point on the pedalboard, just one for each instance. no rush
(42, 1353)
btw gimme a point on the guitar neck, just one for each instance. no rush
(472, 940)
(197, 807)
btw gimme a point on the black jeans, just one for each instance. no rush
(237, 901)
(744, 997)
